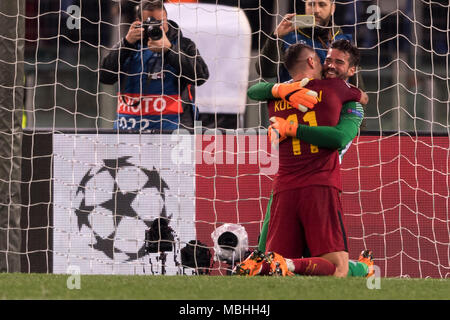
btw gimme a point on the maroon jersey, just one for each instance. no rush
(310, 218)
(302, 164)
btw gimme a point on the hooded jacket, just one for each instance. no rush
(156, 90)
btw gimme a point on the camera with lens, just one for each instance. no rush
(230, 243)
(196, 255)
(152, 29)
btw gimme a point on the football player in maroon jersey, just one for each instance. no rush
(306, 208)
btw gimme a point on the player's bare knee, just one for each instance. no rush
(340, 261)
(341, 269)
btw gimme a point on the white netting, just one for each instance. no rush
(89, 191)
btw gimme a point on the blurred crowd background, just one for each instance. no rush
(405, 63)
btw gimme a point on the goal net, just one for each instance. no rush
(91, 194)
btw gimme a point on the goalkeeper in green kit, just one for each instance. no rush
(341, 62)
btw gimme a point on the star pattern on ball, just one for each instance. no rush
(120, 204)
(105, 245)
(82, 186)
(113, 165)
(83, 213)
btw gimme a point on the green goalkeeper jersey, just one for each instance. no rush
(338, 137)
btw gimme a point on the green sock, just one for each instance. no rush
(265, 227)
(357, 269)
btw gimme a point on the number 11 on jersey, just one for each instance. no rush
(310, 118)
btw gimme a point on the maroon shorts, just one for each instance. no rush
(309, 217)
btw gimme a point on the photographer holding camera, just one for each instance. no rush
(158, 70)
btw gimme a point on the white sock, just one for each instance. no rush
(290, 265)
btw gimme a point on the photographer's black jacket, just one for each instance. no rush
(145, 73)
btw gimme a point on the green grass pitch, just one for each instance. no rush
(106, 287)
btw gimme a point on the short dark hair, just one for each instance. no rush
(293, 53)
(149, 5)
(347, 46)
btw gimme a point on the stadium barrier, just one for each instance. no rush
(88, 197)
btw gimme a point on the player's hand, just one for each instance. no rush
(274, 137)
(160, 45)
(284, 127)
(297, 96)
(285, 26)
(134, 33)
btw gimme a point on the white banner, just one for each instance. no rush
(108, 189)
(223, 37)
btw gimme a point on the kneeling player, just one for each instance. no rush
(291, 128)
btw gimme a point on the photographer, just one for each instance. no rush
(158, 70)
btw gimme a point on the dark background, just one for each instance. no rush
(404, 64)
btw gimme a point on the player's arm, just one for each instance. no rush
(261, 91)
(335, 137)
(338, 136)
(294, 93)
(364, 98)
(349, 92)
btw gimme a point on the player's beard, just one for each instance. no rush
(332, 73)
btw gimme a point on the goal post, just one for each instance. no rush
(90, 192)
(11, 110)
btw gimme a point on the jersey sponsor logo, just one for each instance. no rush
(144, 105)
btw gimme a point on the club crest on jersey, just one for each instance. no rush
(354, 111)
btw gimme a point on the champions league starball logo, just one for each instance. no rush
(109, 197)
